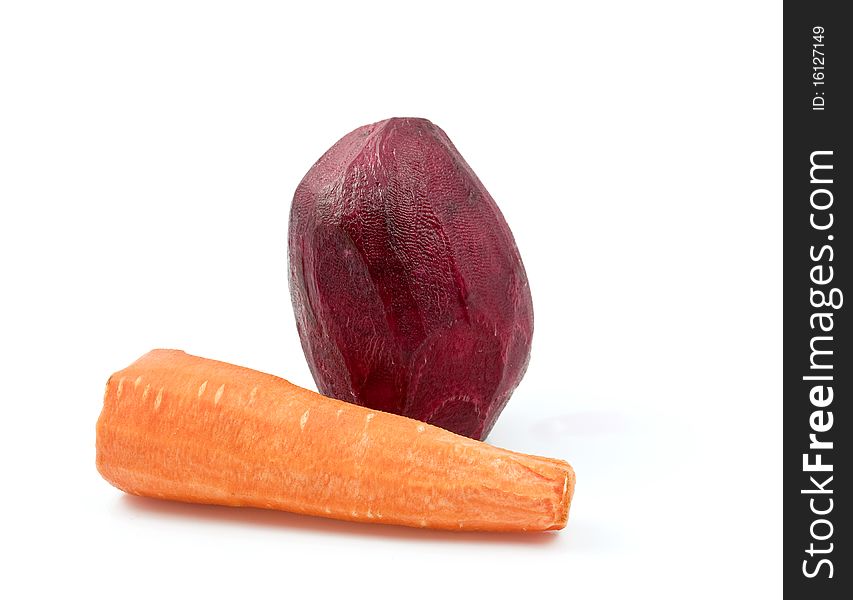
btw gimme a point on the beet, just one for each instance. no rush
(409, 292)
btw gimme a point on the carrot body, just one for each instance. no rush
(186, 428)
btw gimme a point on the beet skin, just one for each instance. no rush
(409, 292)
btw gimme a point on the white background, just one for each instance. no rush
(148, 155)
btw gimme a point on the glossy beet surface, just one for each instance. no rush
(409, 292)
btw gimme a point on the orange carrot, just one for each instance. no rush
(186, 428)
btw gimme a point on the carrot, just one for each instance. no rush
(186, 428)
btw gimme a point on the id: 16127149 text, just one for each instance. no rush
(818, 64)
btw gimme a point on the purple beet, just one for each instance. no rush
(409, 292)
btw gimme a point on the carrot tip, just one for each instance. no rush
(566, 500)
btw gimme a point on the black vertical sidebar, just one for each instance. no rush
(818, 365)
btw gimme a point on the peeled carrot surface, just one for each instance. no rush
(185, 428)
